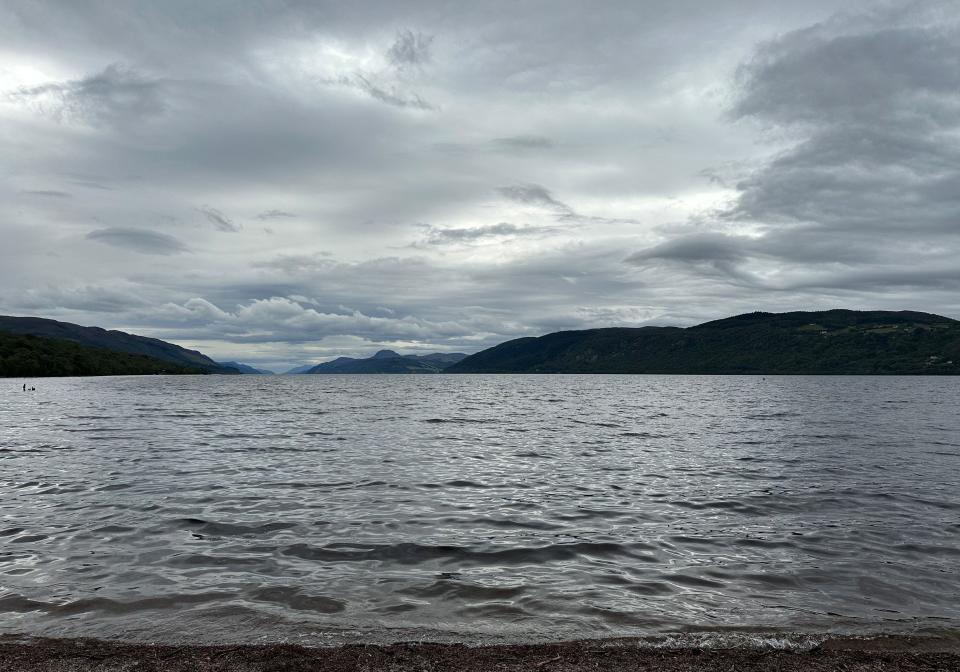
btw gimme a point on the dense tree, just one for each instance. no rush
(33, 356)
(828, 342)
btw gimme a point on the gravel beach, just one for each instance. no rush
(890, 654)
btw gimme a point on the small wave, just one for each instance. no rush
(294, 598)
(28, 538)
(228, 529)
(412, 553)
(772, 416)
(459, 421)
(313, 485)
(509, 523)
(692, 581)
(764, 543)
(928, 549)
(20, 604)
(447, 588)
(464, 484)
(596, 424)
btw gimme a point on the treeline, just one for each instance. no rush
(831, 342)
(33, 356)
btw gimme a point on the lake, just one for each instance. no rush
(323, 509)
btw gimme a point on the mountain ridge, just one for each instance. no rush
(246, 368)
(29, 356)
(112, 340)
(388, 361)
(799, 342)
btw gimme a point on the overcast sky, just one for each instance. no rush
(285, 182)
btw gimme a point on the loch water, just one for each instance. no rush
(341, 508)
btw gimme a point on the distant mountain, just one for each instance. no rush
(388, 361)
(300, 369)
(244, 368)
(116, 341)
(28, 356)
(827, 342)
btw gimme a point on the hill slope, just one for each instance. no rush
(827, 342)
(24, 355)
(116, 341)
(388, 361)
(299, 369)
(246, 368)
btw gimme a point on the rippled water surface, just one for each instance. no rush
(324, 507)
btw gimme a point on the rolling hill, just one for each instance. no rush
(826, 342)
(113, 341)
(28, 356)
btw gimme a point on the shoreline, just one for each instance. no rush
(22, 653)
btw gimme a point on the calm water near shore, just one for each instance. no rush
(336, 508)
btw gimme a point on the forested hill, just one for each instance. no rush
(827, 342)
(28, 356)
(115, 341)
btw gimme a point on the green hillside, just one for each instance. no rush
(115, 341)
(828, 342)
(24, 355)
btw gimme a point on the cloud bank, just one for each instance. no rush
(281, 182)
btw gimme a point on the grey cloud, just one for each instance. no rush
(713, 255)
(275, 214)
(523, 142)
(219, 220)
(699, 247)
(533, 194)
(877, 110)
(798, 245)
(45, 193)
(85, 298)
(445, 236)
(886, 279)
(266, 320)
(539, 196)
(138, 240)
(298, 263)
(92, 185)
(869, 108)
(392, 95)
(410, 49)
(115, 95)
(844, 71)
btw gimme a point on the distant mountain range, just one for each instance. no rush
(300, 369)
(388, 361)
(827, 342)
(244, 368)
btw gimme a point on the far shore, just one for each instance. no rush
(888, 653)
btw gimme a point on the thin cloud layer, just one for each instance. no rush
(115, 95)
(145, 242)
(410, 49)
(219, 220)
(431, 177)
